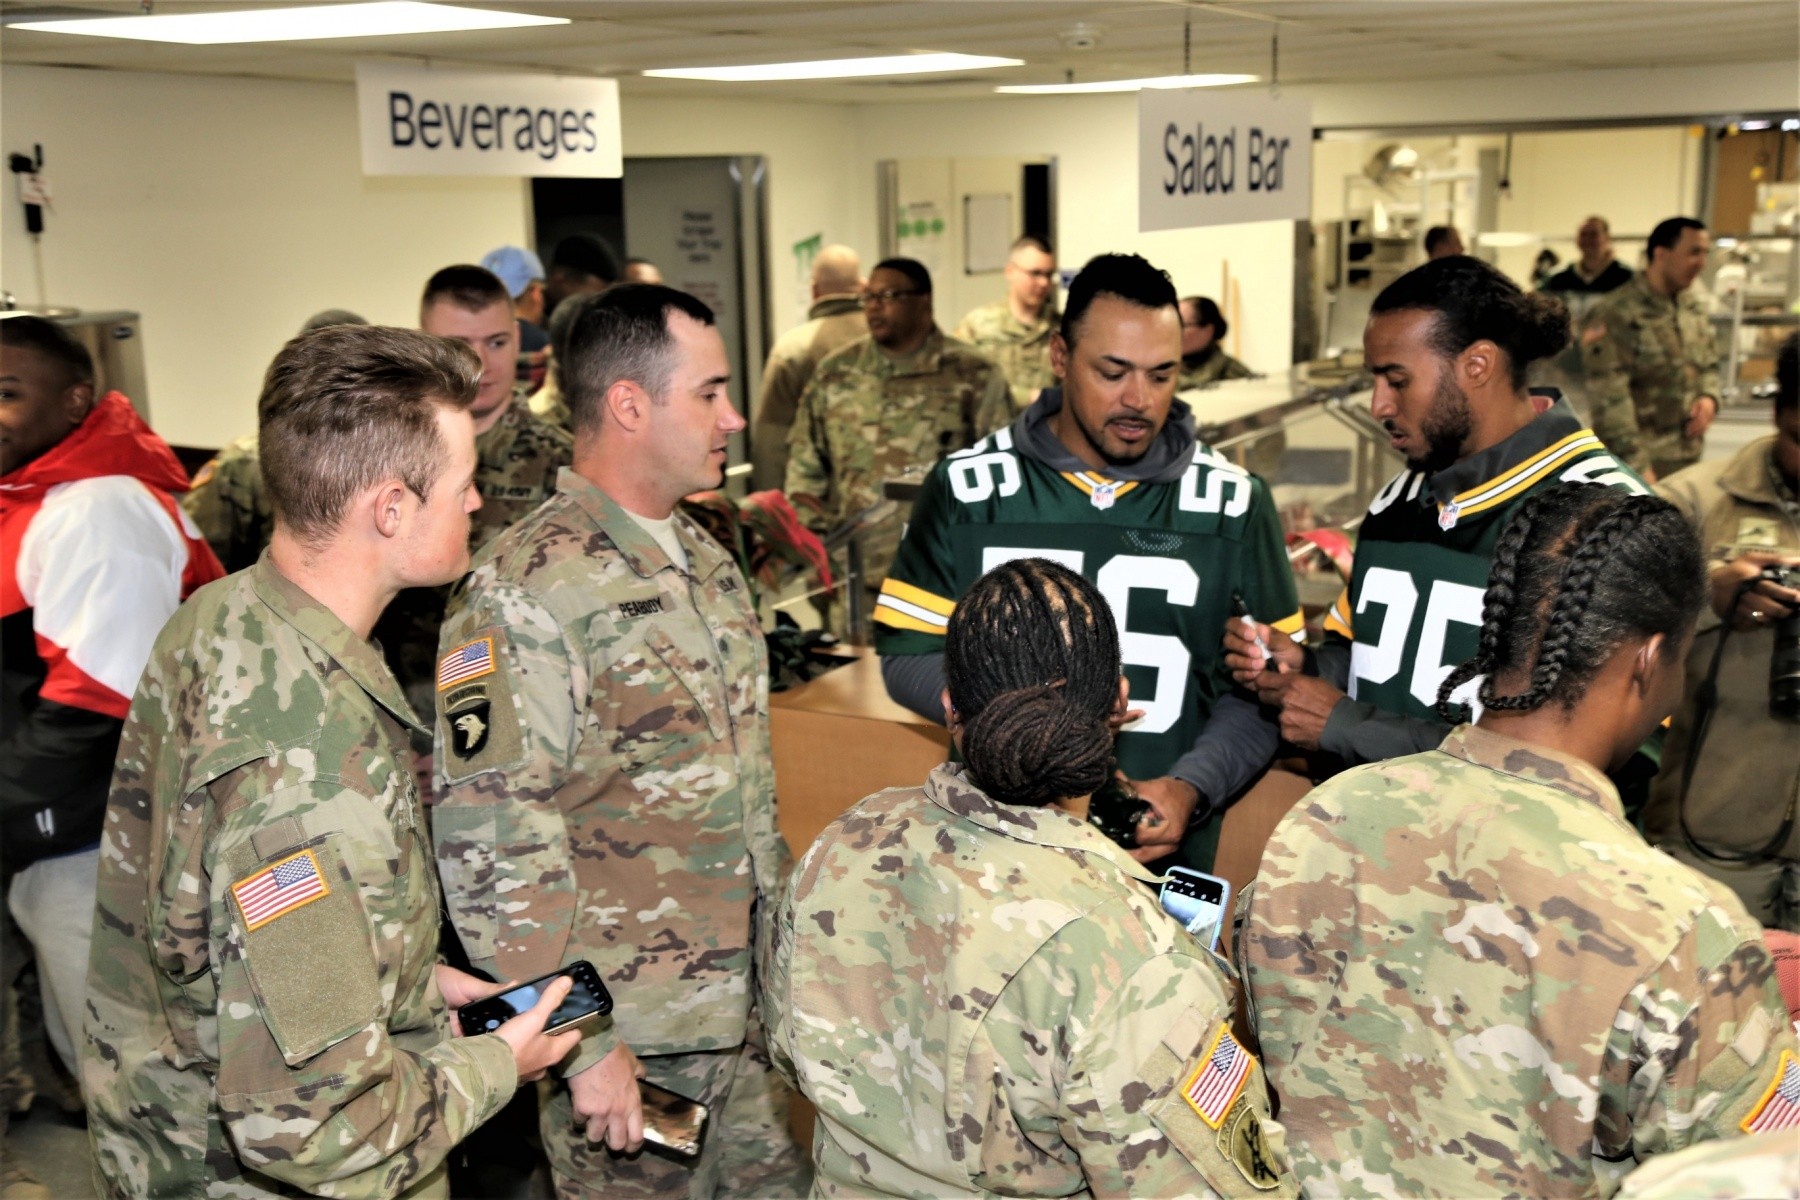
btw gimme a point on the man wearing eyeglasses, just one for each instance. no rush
(1015, 332)
(906, 395)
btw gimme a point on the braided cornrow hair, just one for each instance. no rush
(1032, 659)
(1577, 570)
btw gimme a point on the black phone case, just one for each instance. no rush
(475, 1017)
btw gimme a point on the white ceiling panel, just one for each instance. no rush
(1321, 41)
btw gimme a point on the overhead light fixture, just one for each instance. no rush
(312, 22)
(1155, 83)
(840, 68)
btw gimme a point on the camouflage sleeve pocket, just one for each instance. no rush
(466, 835)
(1209, 1111)
(306, 948)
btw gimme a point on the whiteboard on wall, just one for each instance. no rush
(987, 232)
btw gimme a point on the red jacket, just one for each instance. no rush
(94, 557)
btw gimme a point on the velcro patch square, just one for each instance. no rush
(1219, 1078)
(276, 890)
(471, 660)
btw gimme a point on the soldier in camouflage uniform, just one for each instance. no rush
(1204, 363)
(519, 455)
(903, 397)
(1015, 332)
(266, 1012)
(604, 765)
(833, 322)
(1468, 974)
(1651, 358)
(976, 988)
(1203, 357)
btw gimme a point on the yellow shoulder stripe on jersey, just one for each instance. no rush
(1294, 624)
(1087, 481)
(1338, 619)
(895, 619)
(1510, 483)
(903, 606)
(917, 595)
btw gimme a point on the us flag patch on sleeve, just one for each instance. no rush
(276, 890)
(471, 660)
(1220, 1077)
(1780, 1106)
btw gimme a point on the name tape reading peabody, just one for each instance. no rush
(417, 121)
(1220, 158)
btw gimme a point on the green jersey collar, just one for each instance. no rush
(1484, 466)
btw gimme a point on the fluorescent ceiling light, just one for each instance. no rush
(1155, 83)
(840, 68)
(310, 23)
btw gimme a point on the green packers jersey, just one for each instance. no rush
(1412, 612)
(1167, 557)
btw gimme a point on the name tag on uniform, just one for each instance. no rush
(631, 610)
(510, 491)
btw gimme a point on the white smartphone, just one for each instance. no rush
(1198, 901)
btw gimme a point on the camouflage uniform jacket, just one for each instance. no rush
(228, 504)
(833, 322)
(1647, 358)
(867, 416)
(240, 1043)
(1214, 367)
(1471, 977)
(1021, 351)
(983, 1000)
(517, 459)
(604, 770)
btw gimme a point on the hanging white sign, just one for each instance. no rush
(1207, 157)
(417, 121)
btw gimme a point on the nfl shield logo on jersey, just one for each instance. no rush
(1447, 518)
(1104, 495)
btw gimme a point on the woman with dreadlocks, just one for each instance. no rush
(976, 988)
(1470, 976)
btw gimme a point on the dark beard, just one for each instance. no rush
(1446, 427)
(1199, 357)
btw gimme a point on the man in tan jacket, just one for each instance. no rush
(1737, 822)
(834, 320)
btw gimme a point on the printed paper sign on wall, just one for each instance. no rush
(416, 121)
(1219, 158)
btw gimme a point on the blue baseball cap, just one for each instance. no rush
(516, 267)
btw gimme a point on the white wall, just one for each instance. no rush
(1091, 138)
(226, 211)
(809, 189)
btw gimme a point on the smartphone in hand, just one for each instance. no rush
(1198, 901)
(670, 1121)
(587, 999)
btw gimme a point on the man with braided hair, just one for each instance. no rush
(975, 987)
(1448, 343)
(1528, 999)
(1105, 475)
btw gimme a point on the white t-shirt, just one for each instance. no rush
(664, 533)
